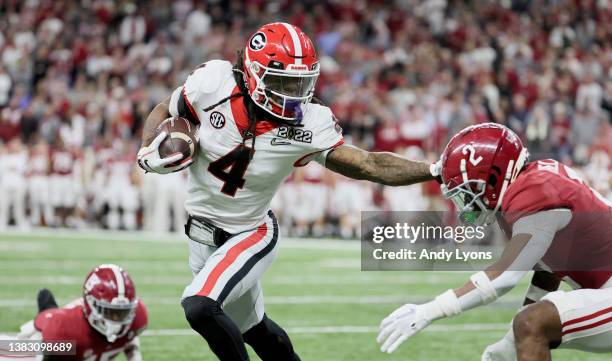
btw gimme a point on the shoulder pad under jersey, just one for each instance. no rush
(207, 78)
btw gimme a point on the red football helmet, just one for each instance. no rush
(109, 301)
(478, 165)
(281, 69)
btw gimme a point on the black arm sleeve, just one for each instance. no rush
(544, 280)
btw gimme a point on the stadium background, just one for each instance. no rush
(77, 79)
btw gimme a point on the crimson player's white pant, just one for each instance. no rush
(122, 194)
(40, 199)
(63, 190)
(586, 319)
(312, 198)
(231, 274)
(12, 196)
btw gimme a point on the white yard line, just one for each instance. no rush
(318, 330)
(293, 300)
(350, 278)
(467, 327)
(74, 280)
(144, 236)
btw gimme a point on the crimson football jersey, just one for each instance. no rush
(69, 324)
(581, 251)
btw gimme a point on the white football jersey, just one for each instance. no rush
(38, 164)
(225, 187)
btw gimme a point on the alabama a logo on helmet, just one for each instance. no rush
(217, 120)
(258, 41)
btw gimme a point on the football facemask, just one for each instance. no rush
(284, 93)
(471, 208)
(113, 320)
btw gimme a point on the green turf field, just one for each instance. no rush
(315, 290)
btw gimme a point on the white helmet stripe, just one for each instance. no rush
(119, 278)
(297, 46)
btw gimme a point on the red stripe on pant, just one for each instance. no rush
(230, 257)
(586, 327)
(587, 317)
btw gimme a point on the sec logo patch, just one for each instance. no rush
(217, 120)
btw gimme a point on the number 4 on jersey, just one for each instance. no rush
(237, 161)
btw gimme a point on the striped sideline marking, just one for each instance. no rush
(319, 330)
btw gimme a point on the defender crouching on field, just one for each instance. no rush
(558, 226)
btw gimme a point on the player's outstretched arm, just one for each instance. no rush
(532, 236)
(482, 288)
(380, 167)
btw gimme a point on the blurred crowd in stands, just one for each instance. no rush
(78, 78)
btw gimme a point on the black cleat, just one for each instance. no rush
(45, 300)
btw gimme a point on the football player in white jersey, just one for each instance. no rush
(256, 123)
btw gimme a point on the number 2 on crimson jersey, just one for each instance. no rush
(237, 161)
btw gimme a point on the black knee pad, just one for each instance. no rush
(200, 310)
(270, 341)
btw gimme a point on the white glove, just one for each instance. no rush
(502, 350)
(409, 319)
(150, 160)
(402, 324)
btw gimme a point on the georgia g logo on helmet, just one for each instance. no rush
(258, 41)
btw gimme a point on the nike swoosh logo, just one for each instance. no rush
(278, 141)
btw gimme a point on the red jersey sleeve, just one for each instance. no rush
(141, 319)
(533, 191)
(54, 326)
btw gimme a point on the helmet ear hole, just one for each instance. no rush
(492, 180)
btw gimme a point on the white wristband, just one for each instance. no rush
(449, 303)
(444, 305)
(483, 284)
(435, 169)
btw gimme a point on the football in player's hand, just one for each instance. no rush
(182, 138)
